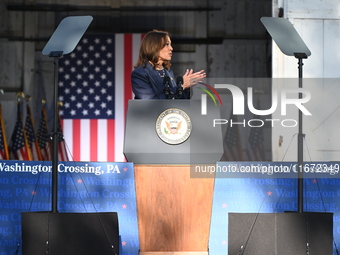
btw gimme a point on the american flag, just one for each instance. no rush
(43, 137)
(255, 146)
(31, 138)
(3, 141)
(18, 146)
(233, 147)
(94, 87)
(62, 151)
(255, 150)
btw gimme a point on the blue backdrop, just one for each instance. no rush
(109, 187)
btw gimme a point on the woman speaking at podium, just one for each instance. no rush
(152, 77)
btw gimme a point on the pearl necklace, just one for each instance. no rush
(161, 73)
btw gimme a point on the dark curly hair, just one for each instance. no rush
(151, 44)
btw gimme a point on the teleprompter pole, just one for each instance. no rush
(55, 135)
(300, 56)
(63, 41)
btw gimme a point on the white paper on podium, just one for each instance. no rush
(285, 36)
(67, 35)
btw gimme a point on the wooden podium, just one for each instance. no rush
(173, 207)
(174, 210)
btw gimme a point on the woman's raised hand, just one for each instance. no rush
(191, 78)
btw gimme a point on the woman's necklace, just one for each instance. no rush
(161, 73)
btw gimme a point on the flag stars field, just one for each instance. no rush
(85, 112)
(95, 75)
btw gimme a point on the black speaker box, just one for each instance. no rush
(280, 233)
(70, 233)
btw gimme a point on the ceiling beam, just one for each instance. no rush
(74, 8)
(175, 40)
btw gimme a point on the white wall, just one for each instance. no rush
(318, 23)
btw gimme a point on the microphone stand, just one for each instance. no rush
(179, 91)
(167, 90)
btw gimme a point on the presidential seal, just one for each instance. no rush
(173, 126)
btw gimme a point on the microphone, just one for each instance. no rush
(167, 90)
(179, 90)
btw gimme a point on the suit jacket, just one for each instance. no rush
(148, 84)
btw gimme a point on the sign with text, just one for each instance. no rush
(87, 187)
(84, 187)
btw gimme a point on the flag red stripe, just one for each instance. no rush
(76, 139)
(110, 140)
(234, 156)
(127, 69)
(94, 140)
